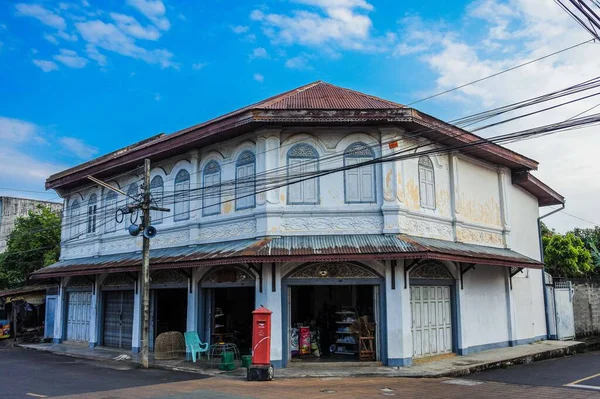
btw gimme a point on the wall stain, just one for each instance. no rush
(282, 198)
(412, 195)
(399, 186)
(387, 188)
(442, 202)
(227, 207)
(474, 210)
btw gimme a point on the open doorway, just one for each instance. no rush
(328, 322)
(231, 319)
(171, 310)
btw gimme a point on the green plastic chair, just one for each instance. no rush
(195, 346)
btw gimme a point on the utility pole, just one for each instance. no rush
(145, 265)
(148, 232)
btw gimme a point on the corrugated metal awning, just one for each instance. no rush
(295, 248)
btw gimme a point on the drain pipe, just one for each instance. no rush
(539, 222)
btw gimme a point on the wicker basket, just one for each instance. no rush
(169, 345)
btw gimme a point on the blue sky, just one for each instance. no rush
(81, 78)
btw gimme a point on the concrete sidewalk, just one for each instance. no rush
(446, 367)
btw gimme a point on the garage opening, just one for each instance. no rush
(333, 323)
(231, 319)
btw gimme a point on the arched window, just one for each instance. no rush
(110, 207)
(132, 192)
(157, 191)
(245, 183)
(74, 219)
(426, 183)
(182, 196)
(359, 182)
(211, 197)
(91, 214)
(303, 160)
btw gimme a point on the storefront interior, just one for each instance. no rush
(332, 323)
(232, 316)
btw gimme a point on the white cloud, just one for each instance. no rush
(531, 29)
(46, 66)
(240, 29)
(66, 36)
(258, 77)
(51, 38)
(17, 131)
(132, 27)
(259, 52)
(78, 148)
(94, 54)
(329, 24)
(154, 10)
(111, 38)
(299, 62)
(199, 65)
(71, 59)
(42, 14)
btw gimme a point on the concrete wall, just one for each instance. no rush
(13, 208)
(586, 307)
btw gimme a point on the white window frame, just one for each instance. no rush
(181, 205)
(110, 205)
(157, 192)
(303, 159)
(357, 153)
(245, 181)
(92, 214)
(211, 192)
(427, 183)
(74, 219)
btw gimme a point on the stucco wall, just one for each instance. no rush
(527, 286)
(483, 307)
(586, 307)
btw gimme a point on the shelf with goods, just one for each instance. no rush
(346, 340)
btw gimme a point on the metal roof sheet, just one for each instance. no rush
(305, 248)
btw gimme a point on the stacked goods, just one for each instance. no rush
(304, 340)
(227, 362)
(4, 329)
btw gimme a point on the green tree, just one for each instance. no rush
(546, 232)
(566, 256)
(33, 244)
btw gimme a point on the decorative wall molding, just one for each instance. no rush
(335, 223)
(169, 239)
(332, 270)
(479, 237)
(167, 277)
(425, 228)
(121, 244)
(229, 274)
(79, 281)
(118, 280)
(228, 230)
(78, 251)
(431, 270)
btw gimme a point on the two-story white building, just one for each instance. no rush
(437, 249)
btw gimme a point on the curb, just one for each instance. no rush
(525, 359)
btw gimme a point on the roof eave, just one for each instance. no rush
(546, 196)
(204, 134)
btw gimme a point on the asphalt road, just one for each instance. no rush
(27, 374)
(580, 371)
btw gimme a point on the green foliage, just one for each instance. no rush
(566, 256)
(546, 232)
(595, 255)
(33, 244)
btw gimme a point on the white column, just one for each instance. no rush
(94, 312)
(192, 303)
(392, 182)
(137, 313)
(272, 300)
(267, 203)
(59, 315)
(399, 336)
(510, 311)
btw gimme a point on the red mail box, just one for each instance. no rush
(261, 336)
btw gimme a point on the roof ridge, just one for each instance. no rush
(367, 95)
(282, 96)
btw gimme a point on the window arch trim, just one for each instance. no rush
(157, 192)
(92, 213)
